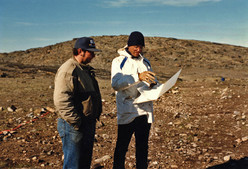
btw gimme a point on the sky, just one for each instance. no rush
(26, 24)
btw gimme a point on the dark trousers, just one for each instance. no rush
(141, 130)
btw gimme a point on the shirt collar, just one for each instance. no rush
(133, 57)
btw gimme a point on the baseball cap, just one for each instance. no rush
(86, 43)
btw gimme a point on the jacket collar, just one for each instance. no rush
(133, 57)
(82, 65)
(124, 52)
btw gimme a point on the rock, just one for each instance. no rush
(13, 132)
(227, 158)
(194, 145)
(5, 132)
(37, 111)
(223, 97)
(176, 115)
(183, 135)
(236, 113)
(178, 122)
(244, 138)
(5, 138)
(174, 91)
(97, 166)
(43, 111)
(31, 115)
(224, 91)
(238, 141)
(216, 158)
(174, 166)
(105, 136)
(50, 109)
(10, 121)
(155, 163)
(200, 157)
(189, 126)
(99, 124)
(19, 110)
(19, 120)
(50, 152)
(34, 158)
(104, 158)
(204, 150)
(196, 139)
(12, 108)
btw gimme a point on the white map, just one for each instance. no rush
(147, 94)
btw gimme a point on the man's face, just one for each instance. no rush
(88, 56)
(135, 50)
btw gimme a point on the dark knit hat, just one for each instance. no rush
(136, 38)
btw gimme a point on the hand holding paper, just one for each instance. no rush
(147, 94)
(148, 77)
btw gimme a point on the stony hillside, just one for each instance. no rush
(201, 123)
(163, 52)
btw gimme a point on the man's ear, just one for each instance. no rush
(79, 50)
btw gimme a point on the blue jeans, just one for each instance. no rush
(141, 130)
(77, 144)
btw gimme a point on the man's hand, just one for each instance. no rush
(148, 77)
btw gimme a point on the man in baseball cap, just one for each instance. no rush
(85, 47)
(77, 100)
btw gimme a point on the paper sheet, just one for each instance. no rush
(147, 94)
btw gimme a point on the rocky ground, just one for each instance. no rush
(200, 123)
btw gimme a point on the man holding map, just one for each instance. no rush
(129, 72)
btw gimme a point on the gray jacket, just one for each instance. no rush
(76, 93)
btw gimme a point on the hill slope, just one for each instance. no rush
(201, 122)
(161, 51)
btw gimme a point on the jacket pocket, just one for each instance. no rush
(87, 107)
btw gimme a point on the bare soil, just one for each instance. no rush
(200, 123)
